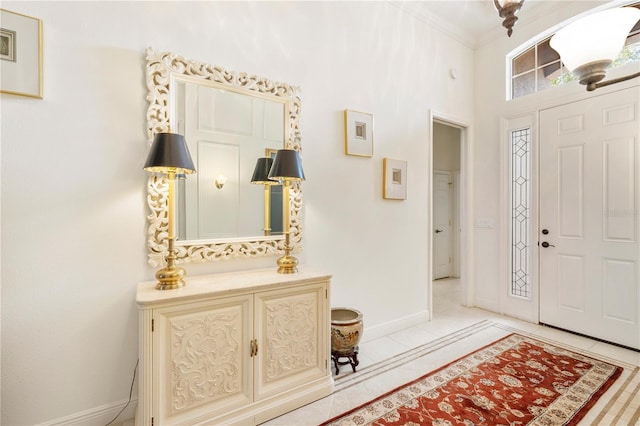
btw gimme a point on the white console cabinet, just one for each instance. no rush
(234, 348)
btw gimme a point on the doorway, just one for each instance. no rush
(447, 205)
(589, 222)
(571, 226)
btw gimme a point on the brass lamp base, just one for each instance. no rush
(287, 264)
(170, 278)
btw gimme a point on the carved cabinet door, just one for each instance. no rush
(293, 346)
(201, 362)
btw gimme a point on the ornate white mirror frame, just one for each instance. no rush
(161, 69)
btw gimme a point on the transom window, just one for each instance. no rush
(539, 67)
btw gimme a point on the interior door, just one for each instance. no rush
(441, 224)
(589, 217)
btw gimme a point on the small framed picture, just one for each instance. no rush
(270, 152)
(358, 133)
(20, 54)
(7, 45)
(395, 179)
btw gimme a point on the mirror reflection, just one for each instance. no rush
(226, 131)
(230, 119)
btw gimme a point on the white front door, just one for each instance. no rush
(589, 217)
(441, 225)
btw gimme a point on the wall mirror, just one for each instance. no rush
(229, 120)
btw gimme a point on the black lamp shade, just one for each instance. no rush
(169, 153)
(261, 172)
(286, 166)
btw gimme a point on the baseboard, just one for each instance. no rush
(381, 330)
(98, 416)
(489, 305)
(104, 414)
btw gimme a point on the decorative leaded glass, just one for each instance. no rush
(520, 217)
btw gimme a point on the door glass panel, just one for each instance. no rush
(546, 53)
(520, 212)
(548, 75)
(524, 62)
(524, 84)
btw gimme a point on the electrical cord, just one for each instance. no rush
(130, 393)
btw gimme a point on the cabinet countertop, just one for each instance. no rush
(218, 284)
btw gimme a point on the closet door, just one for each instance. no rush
(442, 220)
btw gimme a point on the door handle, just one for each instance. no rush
(546, 244)
(439, 231)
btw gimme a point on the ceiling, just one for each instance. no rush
(473, 22)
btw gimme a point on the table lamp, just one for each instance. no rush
(169, 155)
(261, 177)
(286, 168)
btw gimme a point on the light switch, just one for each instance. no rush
(484, 223)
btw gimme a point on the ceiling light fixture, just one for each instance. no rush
(589, 45)
(508, 9)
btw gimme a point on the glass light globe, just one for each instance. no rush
(595, 38)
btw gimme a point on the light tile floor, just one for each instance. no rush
(395, 359)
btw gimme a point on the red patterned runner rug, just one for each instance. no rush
(516, 380)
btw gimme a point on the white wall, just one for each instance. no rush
(73, 189)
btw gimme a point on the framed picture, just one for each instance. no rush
(358, 133)
(395, 179)
(20, 54)
(270, 152)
